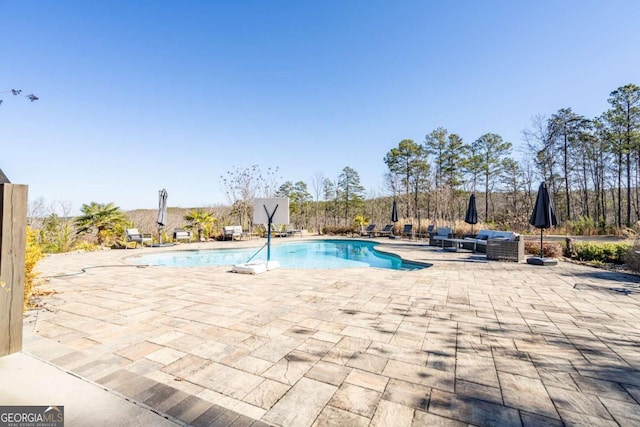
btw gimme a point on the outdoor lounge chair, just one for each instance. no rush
(276, 231)
(181, 234)
(290, 230)
(431, 229)
(386, 231)
(233, 232)
(135, 237)
(440, 236)
(407, 231)
(369, 230)
(426, 233)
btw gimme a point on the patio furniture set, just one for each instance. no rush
(498, 245)
(133, 235)
(370, 231)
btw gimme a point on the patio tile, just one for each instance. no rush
(579, 419)
(598, 387)
(189, 409)
(250, 364)
(315, 346)
(100, 367)
(165, 398)
(477, 369)
(215, 415)
(226, 380)
(266, 394)
(134, 385)
(291, 368)
(186, 367)
(359, 400)
(327, 336)
(114, 379)
(534, 420)
(392, 352)
(143, 366)
(367, 380)
(331, 416)
(277, 348)
(307, 393)
(407, 394)
(329, 373)
(419, 375)
(472, 411)
(231, 403)
(421, 419)
(620, 409)
(244, 421)
(368, 334)
(138, 350)
(479, 391)
(514, 362)
(528, 394)
(392, 414)
(367, 362)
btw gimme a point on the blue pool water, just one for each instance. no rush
(317, 254)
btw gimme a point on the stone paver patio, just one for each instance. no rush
(463, 342)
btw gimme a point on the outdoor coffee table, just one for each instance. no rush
(456, 244)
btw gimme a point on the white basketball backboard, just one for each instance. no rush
(279, 205)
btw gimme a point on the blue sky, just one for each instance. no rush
(139, 96)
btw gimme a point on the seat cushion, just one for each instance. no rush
(504, 235)
(484, 235)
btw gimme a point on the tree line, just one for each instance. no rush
(591, 166)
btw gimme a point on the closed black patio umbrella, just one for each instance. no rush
(162, 212)
(471, 217)
(543, 216)
(394, 212)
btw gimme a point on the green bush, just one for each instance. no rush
(609, 253)
(584, 225)
(339, 230)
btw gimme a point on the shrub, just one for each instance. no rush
(632, 260)
(339, 230)
(85, 246)
(611, 253)
(33, 254)
(549, 249)
(584, 225)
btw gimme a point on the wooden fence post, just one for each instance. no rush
(13, 239)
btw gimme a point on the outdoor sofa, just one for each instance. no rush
(498, 245)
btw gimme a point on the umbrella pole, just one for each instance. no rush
(541, 246)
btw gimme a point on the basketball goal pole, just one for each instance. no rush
(269, 222)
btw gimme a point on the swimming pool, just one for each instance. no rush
(313, 254)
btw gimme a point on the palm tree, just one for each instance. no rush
(104, 218)
(199, 220)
